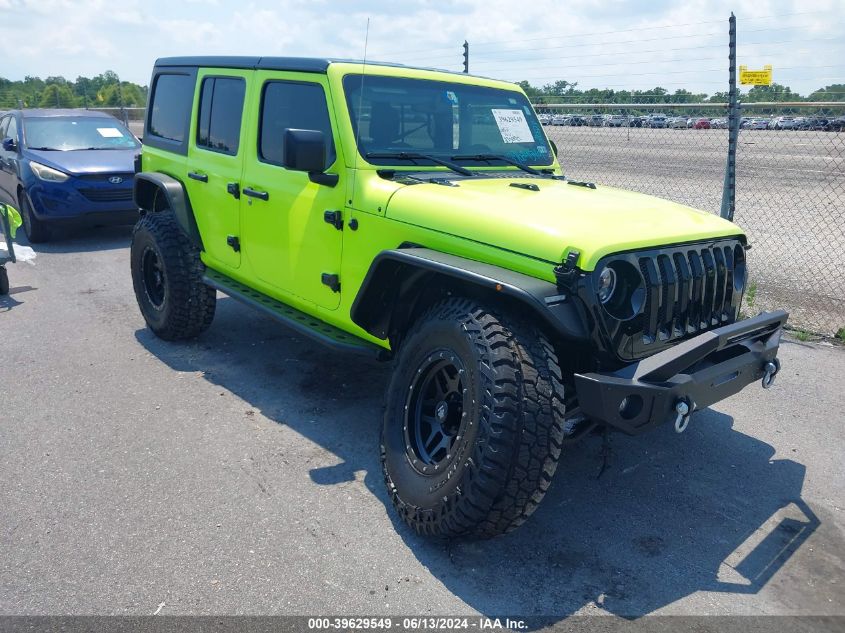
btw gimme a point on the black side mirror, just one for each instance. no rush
(10, 144)
(554, 147)
(305, 150)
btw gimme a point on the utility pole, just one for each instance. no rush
(466, 56)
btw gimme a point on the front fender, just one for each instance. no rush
(154, 191)
(396, 276)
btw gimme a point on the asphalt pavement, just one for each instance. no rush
(238, 474)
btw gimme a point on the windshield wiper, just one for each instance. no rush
(45, 149)
(416, 156)
(491, 157)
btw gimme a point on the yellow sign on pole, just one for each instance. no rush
(755, 77)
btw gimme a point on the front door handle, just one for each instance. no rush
(254, 193)
(194, 175)
(234, 189)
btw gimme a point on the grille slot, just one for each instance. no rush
(107, 195)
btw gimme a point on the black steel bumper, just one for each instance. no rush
(694, 373)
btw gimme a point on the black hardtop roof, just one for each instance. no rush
(293, 64)
(297, 64)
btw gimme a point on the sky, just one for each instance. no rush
(597, 43)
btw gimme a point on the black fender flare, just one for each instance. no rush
(150, 186)
(396, 276)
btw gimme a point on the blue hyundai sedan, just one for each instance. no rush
(67, 166)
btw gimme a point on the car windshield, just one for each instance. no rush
(77, 133)
(397, 115)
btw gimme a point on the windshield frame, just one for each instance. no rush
(105, 122)
(351, 82)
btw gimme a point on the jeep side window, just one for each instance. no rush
(220, 113)
(295, 105)
(173, 96)
(4, 122)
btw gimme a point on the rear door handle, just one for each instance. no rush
(254, 193)
(193, 175)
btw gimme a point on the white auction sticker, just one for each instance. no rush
(513, 126)
(110, 132)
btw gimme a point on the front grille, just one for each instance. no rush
(688, 291)
(107, 195)
(681, 291)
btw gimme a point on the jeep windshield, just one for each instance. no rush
(445, 120)
(76, 133)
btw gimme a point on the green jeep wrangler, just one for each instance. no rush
(422, 216)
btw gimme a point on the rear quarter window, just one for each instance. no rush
(169, 116)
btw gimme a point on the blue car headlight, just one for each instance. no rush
(47, 174)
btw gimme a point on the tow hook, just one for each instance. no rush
(684, 411)
(771, 370)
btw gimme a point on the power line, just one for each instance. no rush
(578, 45)
(632, 30)
(696, 71)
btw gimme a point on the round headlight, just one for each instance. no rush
(607, 284)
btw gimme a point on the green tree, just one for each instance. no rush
(57, 96)
(775, 92)
(834, 92)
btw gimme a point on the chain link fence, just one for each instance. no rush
(133, 118)
(790, 185)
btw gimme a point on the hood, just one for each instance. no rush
(560, 217)
(87, 161)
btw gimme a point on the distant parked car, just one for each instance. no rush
(575, 120)
(64, 166)
(545, 119)
(813, 123)
(677, 122)
(718, 124)
(614, 120)
(636, 121)
(656, 121)
(702, 124)
(595, 120)
(836, 125)
(784, 123)
(758, 124)
(559, 119)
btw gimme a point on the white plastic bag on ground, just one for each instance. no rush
(22, 253)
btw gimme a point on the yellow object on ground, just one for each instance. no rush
(13, 217)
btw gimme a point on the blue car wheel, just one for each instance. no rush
(36, 231)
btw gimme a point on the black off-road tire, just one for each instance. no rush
(181, 306)
(4, 281)
(36, 230)
(508, 441)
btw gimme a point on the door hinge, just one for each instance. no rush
(332, 281)
(335, 218)
(234, 242)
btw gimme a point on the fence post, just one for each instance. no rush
(729, 188)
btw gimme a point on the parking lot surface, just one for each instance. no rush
(238, 474)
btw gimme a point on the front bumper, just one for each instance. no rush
(697, 372)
